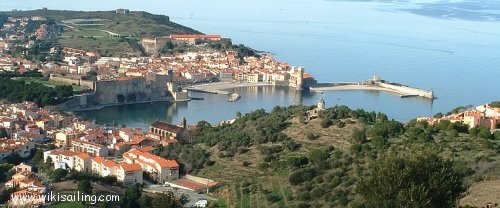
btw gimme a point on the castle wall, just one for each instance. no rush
(65, 80)
(78, 82)
(87, 83)
(131, 89)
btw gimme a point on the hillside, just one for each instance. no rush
(135, 23)
(277, 159)
(107, 32)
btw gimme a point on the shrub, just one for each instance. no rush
(359, 136)
(302, 175)
(310, 136)
(298, 162)
(263, 166)
(271, 197)
(326, 122)
(419, 179)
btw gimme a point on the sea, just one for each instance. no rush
(449, 46)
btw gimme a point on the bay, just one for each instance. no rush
(451, 47)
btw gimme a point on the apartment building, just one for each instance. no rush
(155, 167)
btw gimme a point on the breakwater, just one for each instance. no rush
(376, 84)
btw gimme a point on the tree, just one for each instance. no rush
(38, 158)
(132, 196)
(298, 162)
(58, 175)
(6, 194)
(495, 104)
(497, 135)
(485, 133)
(85, 187)
(421, 179)
(91, 74)
(14, 158)
(166, 200)
(3, 132)
(146, 201)
(438, 115)
(4, 171)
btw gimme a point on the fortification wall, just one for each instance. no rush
(74, 103)
(65, 80)
(87, 83)
(408, 90)
(130, 90)
(79, 82)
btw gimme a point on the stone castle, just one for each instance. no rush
(124, 90)
(130, 89)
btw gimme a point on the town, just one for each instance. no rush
(72, 144)
(126, 155)
(119, 80)
(303, 156)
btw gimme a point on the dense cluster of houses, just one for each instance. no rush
(31, 188)
(483, 115)
(17, 33)
(188, 67)
(84, 146)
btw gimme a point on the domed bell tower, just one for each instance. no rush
(300, 79)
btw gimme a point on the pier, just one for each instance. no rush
(375, 84)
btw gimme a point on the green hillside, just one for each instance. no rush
(135, 23)
(278, 159)
(107, 32)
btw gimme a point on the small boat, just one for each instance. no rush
(234, 97)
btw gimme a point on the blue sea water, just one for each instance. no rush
(451, 47)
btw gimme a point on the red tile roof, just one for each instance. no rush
(166, 126)
(130, 167)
